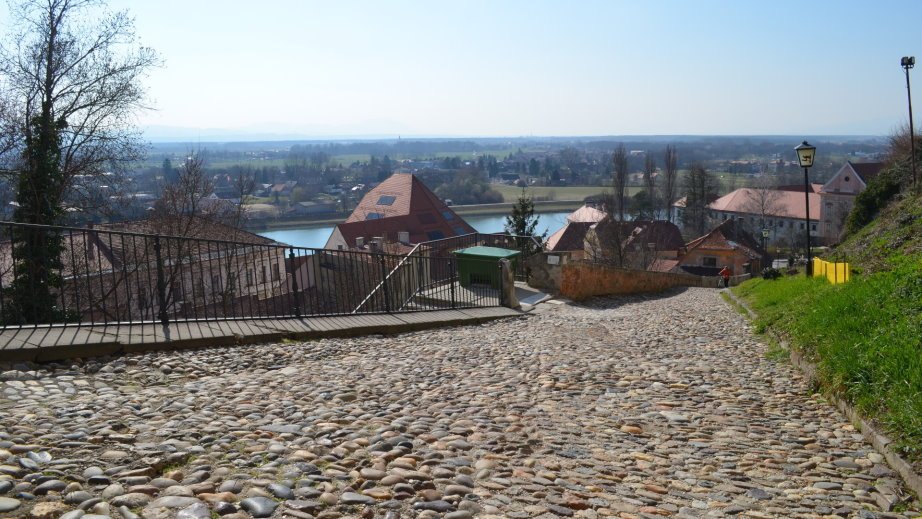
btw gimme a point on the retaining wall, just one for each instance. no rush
(582, 280)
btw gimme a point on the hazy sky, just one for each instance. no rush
(513, 68)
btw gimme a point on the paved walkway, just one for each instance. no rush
(629, 407)
(59, 343)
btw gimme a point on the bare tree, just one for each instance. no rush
(649, 180)
(71, 76)
(700, 191)
(670, 178)
(764, 199)
(619, 161)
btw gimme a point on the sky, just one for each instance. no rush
(387, 68)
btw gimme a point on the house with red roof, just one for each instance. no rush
(570, 237)
(730, 244)
(637, 244)
(782, 211)
(838, 194)
(401, 210)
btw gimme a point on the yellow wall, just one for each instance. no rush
(834, 272)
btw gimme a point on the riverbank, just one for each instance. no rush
(461, 210)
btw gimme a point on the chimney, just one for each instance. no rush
(360, 242)
(403, 237)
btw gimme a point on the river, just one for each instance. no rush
(315, 236)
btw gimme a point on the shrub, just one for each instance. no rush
(869, 202)
(770, 273)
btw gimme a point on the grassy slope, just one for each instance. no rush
(865, 335)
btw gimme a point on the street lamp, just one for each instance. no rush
(805, 154)
(907, 62)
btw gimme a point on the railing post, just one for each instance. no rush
(502, 285)
(161, 283)
(451, 282)
(294, 281)
(387, 294)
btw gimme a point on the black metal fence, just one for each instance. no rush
(97, 275)
(525, 245)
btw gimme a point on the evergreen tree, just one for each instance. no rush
(523, 222)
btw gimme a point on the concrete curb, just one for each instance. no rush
(879, 440)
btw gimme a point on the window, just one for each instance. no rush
(262, 274)
(448, 215)
(708, 261)
(276, 275)
(216, 283)
(425, 218)
(249, 277)
(386, 200)
(459, 231)
(435, 235)
(813, 227)
(373, 216)
(847, 179)
(801, 226)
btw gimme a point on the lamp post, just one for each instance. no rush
(805, 154)
(907, 62)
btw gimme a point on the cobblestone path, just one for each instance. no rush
(643, 407)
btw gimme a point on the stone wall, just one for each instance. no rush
(582, 280)
(545, 269)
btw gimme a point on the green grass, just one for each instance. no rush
(865, 337)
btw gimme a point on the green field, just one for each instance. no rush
(512, 193)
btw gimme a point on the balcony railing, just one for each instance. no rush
(66, 276)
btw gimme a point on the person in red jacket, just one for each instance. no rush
(725, 275)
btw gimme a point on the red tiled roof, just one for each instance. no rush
(586, 214)
(401, 194)
(663, 265)
(786, 204)
(665, 235)
(400, 203)
(867, 170)
(569, 237)
(197, 228)
(388, 228)
(727, 236)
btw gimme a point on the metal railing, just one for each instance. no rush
(443, 265)
(103, 276)
(525, 245)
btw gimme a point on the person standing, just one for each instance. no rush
(725, 276)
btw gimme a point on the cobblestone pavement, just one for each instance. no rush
(643, 407)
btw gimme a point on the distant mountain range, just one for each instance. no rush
(177, 134)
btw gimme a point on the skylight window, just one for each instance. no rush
(373, 216)
(448, 215)
(386, 200)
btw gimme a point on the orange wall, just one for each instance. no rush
(582, 280)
